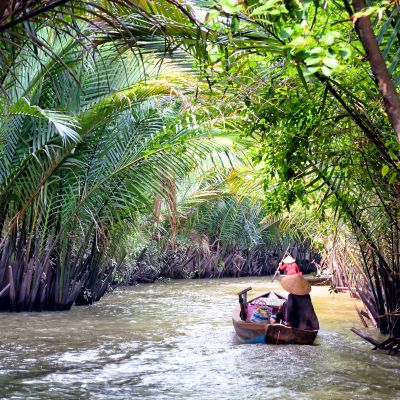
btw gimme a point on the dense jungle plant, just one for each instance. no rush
(80, 157)
(315, 84)
(320, 119)
(204, 228)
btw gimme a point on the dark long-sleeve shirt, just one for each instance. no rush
(298, 312)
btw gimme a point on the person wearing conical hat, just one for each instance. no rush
(289, 267)
(298, 311)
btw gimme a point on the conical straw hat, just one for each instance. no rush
(295, 284)
(288, 260)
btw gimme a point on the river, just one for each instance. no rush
(175, 340)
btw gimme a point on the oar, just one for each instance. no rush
(277, 270)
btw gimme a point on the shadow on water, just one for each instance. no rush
(175, 340)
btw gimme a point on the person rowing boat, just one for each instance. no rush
(289, 267)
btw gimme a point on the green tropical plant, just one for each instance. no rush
(312, 85)
(79, 158)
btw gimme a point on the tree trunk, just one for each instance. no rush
(385, 84)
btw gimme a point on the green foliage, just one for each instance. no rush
(311, 105)
(81, 158)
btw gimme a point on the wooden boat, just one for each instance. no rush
(323, 280)
(255, 332)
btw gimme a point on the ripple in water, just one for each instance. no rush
(175, 340)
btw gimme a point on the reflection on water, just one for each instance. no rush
(175, 341)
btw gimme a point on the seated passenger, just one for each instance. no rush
(298, 311)
(289, 267)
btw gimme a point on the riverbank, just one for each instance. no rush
(175, 339)
(188, 263)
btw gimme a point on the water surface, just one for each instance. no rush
(175, 340)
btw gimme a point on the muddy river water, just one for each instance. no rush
(175, 340)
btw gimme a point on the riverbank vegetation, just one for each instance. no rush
(197, 139)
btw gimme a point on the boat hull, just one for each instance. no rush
(320, 281)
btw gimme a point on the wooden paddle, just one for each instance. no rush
(277, 270)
